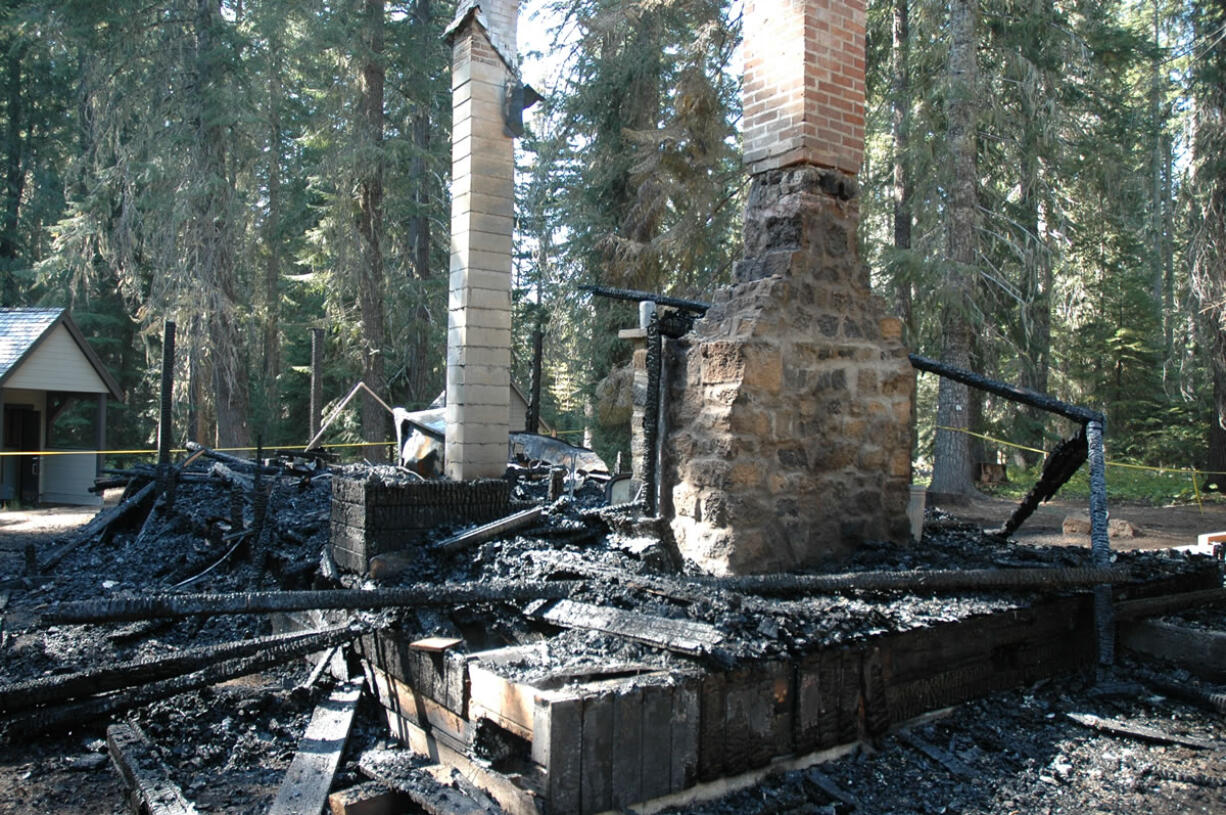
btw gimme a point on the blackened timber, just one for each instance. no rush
(682, 636)
(946, 759)
(636, 296)
(25, 695)
(121, 609)
(1061, 463)
(1168, 603)
(304, 790)
(1005, 390)
(934, 580)
(71, 715)
(401, 771)
(1187, 691)
(651, 417)
(146, 776)
(1115, 727)
(489, 531)
(102, 523)
(234, 462)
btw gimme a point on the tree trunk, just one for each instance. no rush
(419, 225)
(370, 221)
(215, 238)
(272, 234)
(951, 471)
(1035, 309)
(14, 177)
(900, 127)
(1216, 462)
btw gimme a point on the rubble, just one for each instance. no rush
(609, 612)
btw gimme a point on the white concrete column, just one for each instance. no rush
(482, 209)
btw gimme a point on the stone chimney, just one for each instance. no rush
(482, 211)
(790, 402)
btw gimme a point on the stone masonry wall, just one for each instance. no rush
(791, 403)
(803, 93)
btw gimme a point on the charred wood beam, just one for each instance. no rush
(228, 476)
(489, 531)
(932, 581)
(101, 524)
(651, 417)
(1005, 390)
(1062, 462)
(304, 790)
(72, 714)
(1188, 692)
(240, 464)
(1168, 603)
(1116, 727)
(1100, 544)
(120, 609)
(146, 776)
(636, 296)
(21, 696)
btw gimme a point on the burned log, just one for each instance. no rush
(636, 296)
(1128, 730)
(232, 462)
(21, 696)
(1004, 389)
(489, 531)
(1062, 462)
(1168, 603)
(920, 582)
(146, 776)
(72, 714)
(121, 609)
(101, 524)
(1187, 691)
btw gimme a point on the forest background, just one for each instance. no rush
(1043, 201)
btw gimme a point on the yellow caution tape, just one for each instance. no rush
(178, 450)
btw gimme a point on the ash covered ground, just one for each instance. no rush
(227, 746)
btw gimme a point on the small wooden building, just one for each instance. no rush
(53, 394)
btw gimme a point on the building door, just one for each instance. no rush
(21, 426)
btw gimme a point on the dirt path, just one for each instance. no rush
(1160, 527)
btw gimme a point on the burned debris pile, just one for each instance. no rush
(523, 633)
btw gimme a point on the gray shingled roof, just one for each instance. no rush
(20, 329)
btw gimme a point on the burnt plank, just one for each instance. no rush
(557, 746)
(806, 731)
(596, 768)
(830, 685)
(304, 791)
(849, 696)
(421, 711)
(682, 636)
(657, 740)
(627, 769)
(1197, 650)
(133, 758)
(779, 692)
(711, 704)
(683, 762)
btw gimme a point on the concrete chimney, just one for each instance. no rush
(482, 211)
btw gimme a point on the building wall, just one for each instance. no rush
(57, 364)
